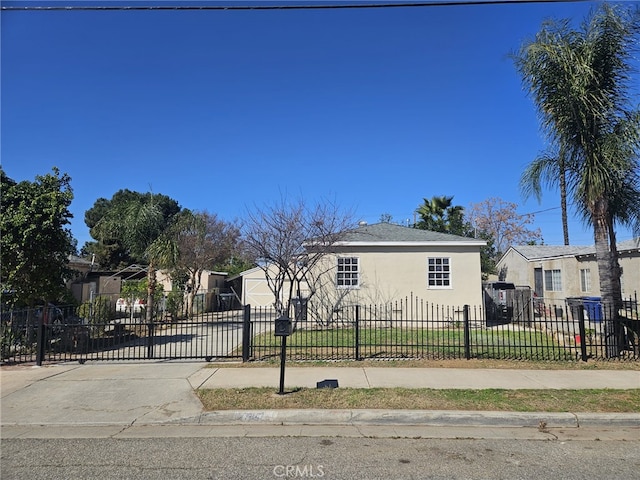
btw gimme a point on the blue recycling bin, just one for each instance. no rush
(593, 308)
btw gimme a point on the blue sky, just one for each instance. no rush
(374, 109)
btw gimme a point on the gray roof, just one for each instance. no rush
(537, 252)
(391, 233)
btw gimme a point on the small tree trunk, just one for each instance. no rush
(151, 290)
(191, 295)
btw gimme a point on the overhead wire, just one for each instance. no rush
(280, 6)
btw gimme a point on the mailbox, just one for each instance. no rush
(284, 327)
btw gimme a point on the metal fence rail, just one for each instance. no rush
(407, 329)
(416, 329)
(26, 338)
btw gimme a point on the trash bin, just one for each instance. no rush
(573, 303)
(226, 301)
(300, 308)
(593, 308)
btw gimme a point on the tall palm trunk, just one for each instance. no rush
(563, 202)
(606, 260)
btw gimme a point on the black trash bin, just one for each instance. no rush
(300, 308)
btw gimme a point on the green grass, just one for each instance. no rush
(414, 343)
(596, 400)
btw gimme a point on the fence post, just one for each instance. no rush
(246, 333)
(357, 332)
(150, 334)
(40, 339)
(583, 332)
(467, 333)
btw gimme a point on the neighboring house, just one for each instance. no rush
(557, 272)
(380, 263)
(94, 282)
(209, 281)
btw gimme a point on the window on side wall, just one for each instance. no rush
(439, 272)
(585, 280)
(552, 281)
(348, 275)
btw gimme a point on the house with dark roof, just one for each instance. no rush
(384, 262)
(557, 272)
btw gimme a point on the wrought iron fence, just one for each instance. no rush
(407, 329)
(413, 329)
(26, 337)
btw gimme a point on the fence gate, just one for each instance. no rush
(52, 336)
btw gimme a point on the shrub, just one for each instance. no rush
(97, 313)
(175, 303)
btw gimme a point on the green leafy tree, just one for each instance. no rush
(110, 247)
(137, 222)
(36, 242)
(238, 263)
(579, 81)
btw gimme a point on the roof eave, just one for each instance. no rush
(475, 243)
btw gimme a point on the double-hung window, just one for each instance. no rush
(552, 280)
(439, 272)
(348, 275)
(585, 280)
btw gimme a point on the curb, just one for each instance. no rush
(435, 418)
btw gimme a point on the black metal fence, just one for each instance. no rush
(413, 329)
(407, 329)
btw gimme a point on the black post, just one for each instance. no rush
(150, 341)
(40, 339)
(246, 333)
(583, 332)
(357, 340)
(283, 357)
(467, 333)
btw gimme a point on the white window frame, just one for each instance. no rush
(348, 273)
(553, 280)
(439, 270)
(585, 280)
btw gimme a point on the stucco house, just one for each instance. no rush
(557, 272)
(383, 262)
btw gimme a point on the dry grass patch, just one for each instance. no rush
(424, 399)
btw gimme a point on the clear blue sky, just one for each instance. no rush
(223, 110)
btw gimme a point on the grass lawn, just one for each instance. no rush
(601, 400)
(424, 399)
(339, 343)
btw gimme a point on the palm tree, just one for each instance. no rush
(139, 224)
(440, 215)
(549, 169)
(579, 83)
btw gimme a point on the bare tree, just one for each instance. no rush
(289, 241)
(200, 241)
(500, 219)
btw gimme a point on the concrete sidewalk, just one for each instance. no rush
(439, 378)
(122, 395)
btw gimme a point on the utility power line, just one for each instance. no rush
(303, 6)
